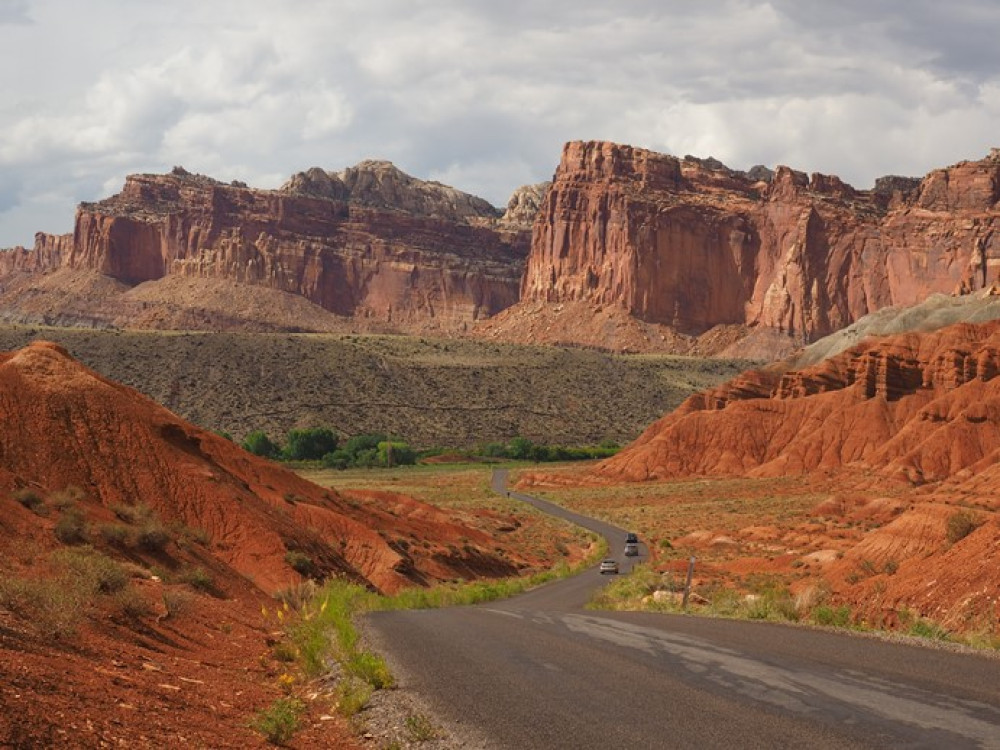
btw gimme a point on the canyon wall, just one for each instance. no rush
(369, 242)
(691, 244)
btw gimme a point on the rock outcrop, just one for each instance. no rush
(691, 244)
(919, 408)
(369, 243)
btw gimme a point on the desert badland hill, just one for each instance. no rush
(139, 555)
(897, 442)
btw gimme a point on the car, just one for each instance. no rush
(631, 550)
(631, 538)
(609, 566)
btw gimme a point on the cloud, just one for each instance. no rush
(480, 95)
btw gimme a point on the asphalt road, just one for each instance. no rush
(539, 671)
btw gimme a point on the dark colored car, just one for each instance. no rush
(609, 566)
(631, 538)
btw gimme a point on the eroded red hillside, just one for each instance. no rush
(899, 437)
(97, 483)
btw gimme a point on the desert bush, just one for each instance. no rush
(66, 497)
(923, 628)
(71, 528)
(960, 524)
(420, 728)
(30, 500)
(197, 577)
(117, 534)
(92, 569)
(152, 536)
(132, 603)
(279, 722)
(177, 601)
(52, 607)
(300, 562)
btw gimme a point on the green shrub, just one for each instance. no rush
(197, 577)
(66, 497)
(279, 722)
(152, 536)
(176, 601)
(309, 444)
(960, 524)
(396, 453)
(260, 444)
(71, 528)
(352, 696)
(838, 617)
(371, 668)
(923, 628)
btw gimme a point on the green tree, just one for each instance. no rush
(520, 448)
(260, 444)
(309, 444)
(395, 453)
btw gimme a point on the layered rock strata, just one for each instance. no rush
(370, 242)
(691, 244)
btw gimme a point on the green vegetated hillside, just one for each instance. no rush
(450, 393)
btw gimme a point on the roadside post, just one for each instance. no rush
(687, 583)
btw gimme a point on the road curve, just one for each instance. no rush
(539, 671)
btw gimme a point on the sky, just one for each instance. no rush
(478, 94)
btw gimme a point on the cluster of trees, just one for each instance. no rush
(526, 450)
(376, 449)
(322, 444)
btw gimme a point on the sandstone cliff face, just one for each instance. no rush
(369, 242)
(691, 244)
(46, 255)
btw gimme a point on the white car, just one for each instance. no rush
(609, 566)
(631, 550)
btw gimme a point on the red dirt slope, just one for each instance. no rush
(66, 426)
(906, 427)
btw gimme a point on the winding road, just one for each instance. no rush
(540, 671)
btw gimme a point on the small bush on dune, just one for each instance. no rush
(71, 528)
(960, 524)
(30, 500)
(92, 569)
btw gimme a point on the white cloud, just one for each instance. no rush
(479, 95)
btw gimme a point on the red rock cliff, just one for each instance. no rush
(368, 242)
(691, 244)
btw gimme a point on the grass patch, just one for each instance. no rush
(279, 722)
